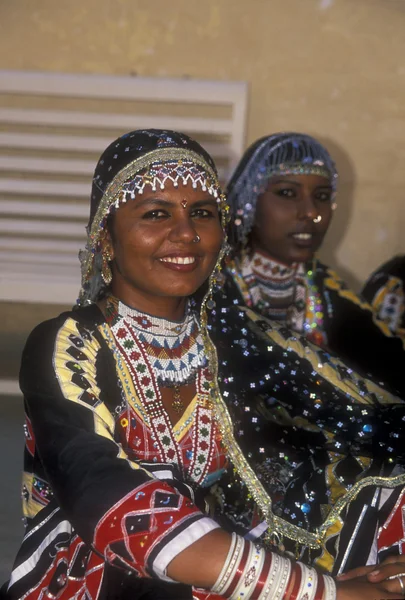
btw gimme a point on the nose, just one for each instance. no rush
(307, 209)
(183, 230)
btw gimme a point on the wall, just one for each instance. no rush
(332, 68)
(335, 69)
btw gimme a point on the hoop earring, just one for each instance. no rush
(106, 273)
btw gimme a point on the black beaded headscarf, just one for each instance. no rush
(136, 159)
(277, 154)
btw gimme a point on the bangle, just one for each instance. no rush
(320, 588)
(230, 564)
(262, 577)
(240, 572)
(308, 583)
(330, 588)
(297, 582)
(277, 580)
(250, 573)
(248, 580)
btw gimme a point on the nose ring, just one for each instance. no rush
(197, 239)
(317, 219)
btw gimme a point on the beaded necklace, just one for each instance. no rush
(141, 365)
(314, 319)
(175, 349)
(284, 293)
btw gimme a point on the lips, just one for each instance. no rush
(185, 263)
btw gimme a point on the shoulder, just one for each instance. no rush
(395, 267)
(330, 279)
(77, 323)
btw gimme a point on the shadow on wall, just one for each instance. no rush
(343, 214)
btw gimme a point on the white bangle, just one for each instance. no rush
(330, 588)
(227, 566)
(277, 579)
(251, 572)
(248, 566)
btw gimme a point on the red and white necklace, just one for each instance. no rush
(140, 361)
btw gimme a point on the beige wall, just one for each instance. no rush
(331, 68)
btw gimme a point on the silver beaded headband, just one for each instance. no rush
(155, 168)
(279, 154)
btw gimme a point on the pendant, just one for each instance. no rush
(177, 403)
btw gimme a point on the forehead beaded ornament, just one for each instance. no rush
(278, 154)
(136, 160)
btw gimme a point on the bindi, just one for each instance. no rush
(184, 204)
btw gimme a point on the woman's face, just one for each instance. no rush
(154, 247)
(284, 226)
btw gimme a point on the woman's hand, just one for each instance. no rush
(361, 589)
(384, 575)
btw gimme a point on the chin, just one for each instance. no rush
(183, 291)
(299, 257)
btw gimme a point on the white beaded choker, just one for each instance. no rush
(175, 349)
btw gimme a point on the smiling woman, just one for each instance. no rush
(282, 197)
(167, 429)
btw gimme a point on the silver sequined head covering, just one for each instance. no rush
(149, 157)
(282, 154)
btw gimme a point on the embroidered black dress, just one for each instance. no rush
(291, 422)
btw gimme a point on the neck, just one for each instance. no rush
(165, 307)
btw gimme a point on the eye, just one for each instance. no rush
(202, 213)
(155, 215)
(285, 192)
(323, 195)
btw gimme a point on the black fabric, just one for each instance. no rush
(270, 390)
(394, 268)
(351, 332)
(354, 336)
(65, 439)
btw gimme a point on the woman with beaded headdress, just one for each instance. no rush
(282, 197)
(165, 429)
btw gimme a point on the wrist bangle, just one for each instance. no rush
(262, 577)
(239, 572)
(250, 573)
(230, 565)
(297, 582)
(330, 588)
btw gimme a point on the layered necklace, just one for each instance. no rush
(158, 352)
(174, 349)
(284, 293)
(274, 288)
